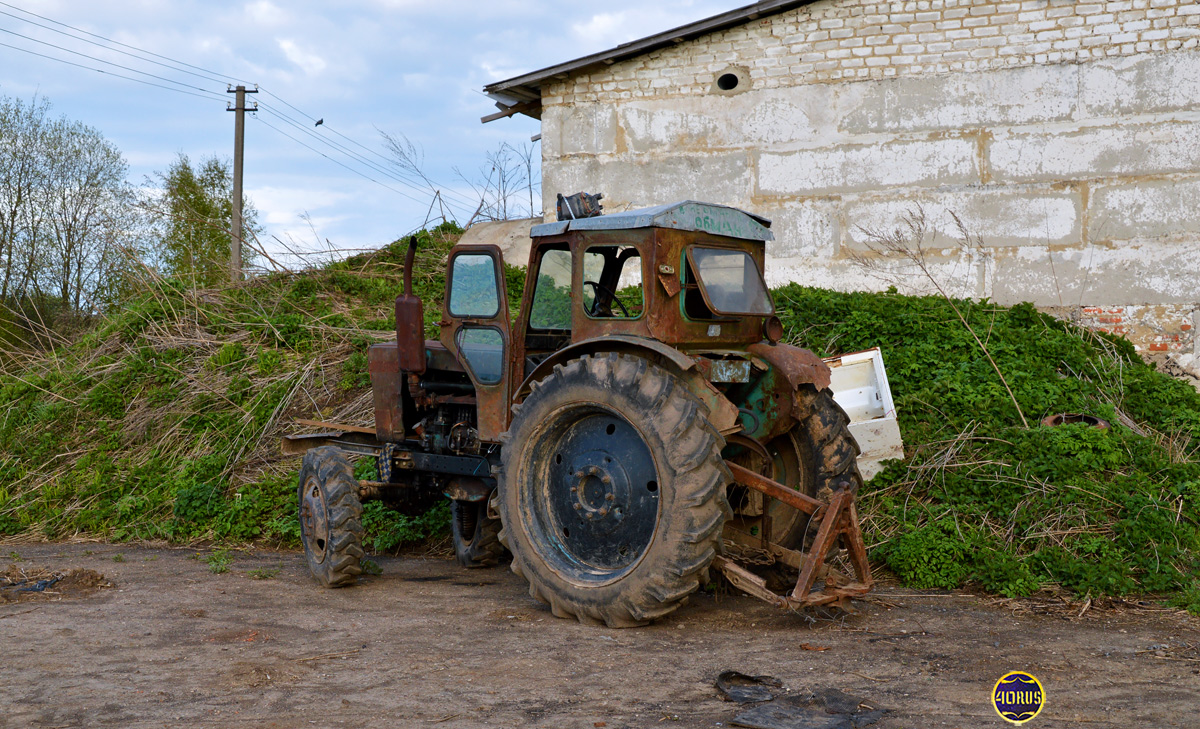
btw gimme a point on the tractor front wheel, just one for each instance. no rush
(476, 537)
(612, 491)
(330, 517)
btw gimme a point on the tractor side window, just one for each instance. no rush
(474, 293)
(730, 281)
(551, 307)
(612, 282)
(483, 349)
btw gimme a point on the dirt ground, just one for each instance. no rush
(428, 644)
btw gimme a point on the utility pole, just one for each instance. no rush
(239, 142)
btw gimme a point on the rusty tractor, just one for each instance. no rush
(635, 423)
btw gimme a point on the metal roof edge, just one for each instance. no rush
(645, 45)
(723, 220)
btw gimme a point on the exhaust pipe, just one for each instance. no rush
(410, 319)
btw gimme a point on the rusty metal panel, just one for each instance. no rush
(492, 411)
(410, 333)
(800, 366)
(729, 370)
(383, 364)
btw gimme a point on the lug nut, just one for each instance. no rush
(578, 507)
(606, 479)
(590, 516)
(610, 497)
(579, 473)
(574, 489)
(603, 511)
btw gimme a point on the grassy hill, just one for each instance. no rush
(162, 423)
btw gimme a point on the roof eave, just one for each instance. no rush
(528, 87)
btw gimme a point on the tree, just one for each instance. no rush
(87, 205)
(65, 210)
(195, 212)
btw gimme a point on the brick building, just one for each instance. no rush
(1065, 134)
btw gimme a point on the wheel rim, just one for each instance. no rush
(791, 465)
(594, 501)
(314, 520)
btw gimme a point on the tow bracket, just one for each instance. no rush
(838, 520)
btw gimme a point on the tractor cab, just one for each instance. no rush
(685, 277)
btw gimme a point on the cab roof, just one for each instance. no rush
(685, 215)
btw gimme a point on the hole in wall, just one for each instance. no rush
(731, 80)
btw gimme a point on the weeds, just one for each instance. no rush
(163, 423)
(218, 561)
(265, 573)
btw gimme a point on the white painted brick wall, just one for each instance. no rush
(1065, 134)
(865, 39)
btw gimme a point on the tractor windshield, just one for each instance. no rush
(730, 281)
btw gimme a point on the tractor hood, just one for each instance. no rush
(686, 215)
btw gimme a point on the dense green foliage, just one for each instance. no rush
(983, 499)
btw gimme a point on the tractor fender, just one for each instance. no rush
(771, 408)
(799, 366)
(723, 414)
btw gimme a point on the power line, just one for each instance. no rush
(343, 136)
(119, 43)
(348, 153)
(423, 185)
(205, 76)
(339, 163)
(439, 188)
(101, 60)
(110, 73)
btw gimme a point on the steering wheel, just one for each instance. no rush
(595, 310)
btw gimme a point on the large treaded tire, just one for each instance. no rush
(826, 428)
(476, 537)
(330, 516)
(688, 508)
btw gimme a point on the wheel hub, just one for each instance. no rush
(601, 507)
(602, 493)
(314, 520)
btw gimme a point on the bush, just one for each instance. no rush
(1101, 511)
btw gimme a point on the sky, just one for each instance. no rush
(411, 68)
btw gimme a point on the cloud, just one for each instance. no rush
(608, 29)
(264, 12)
(310, 63)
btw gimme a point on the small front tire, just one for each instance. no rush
(330, 517)
(476, 536)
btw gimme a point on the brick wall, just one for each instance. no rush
(856, 39)
(1066, 135)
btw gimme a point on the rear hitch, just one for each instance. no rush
(838, 519)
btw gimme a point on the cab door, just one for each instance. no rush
(475, 327)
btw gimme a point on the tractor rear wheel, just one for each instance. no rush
(817, 457)
(330, 517)
(476, 537)
(612, 491)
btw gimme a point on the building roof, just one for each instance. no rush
(683, 215)
(523, 94)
